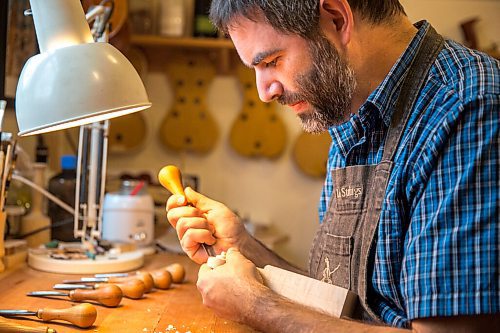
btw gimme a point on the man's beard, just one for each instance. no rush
(328, 87)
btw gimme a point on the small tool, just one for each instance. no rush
(162, 278)
(145, 277)
(11, 327)
(109, 295)
(170, 178)
(133, 289)
(82, 315)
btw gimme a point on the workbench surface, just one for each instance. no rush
(179, 309)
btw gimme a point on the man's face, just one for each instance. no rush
(327, 86)
(308, 76)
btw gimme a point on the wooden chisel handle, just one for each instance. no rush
(170, 178)
(134, 289)
(162, 278)
(81, 315)
(11, 327)
(145, 277)
(109, 295)
(177, 271)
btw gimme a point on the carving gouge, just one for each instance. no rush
(145, 277)
(11, 327)
(132, 289)
(162, 279)
(171, 179)
(82, 315)
(109, 295)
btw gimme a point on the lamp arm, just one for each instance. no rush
(49, 195)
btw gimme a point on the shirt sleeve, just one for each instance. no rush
(451, 262)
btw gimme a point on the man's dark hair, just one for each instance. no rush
(296, 16)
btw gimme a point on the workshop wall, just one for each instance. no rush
(446, 16)
(266, 191)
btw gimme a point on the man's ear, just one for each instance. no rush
(336, 18)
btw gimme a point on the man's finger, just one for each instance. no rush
(199, 200)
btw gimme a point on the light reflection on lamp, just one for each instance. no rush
(73, 81)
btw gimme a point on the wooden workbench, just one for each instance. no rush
(178, 309)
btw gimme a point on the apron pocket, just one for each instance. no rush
(334, 264)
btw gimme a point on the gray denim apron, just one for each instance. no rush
(343, 249)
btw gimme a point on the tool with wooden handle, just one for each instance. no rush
(11, 327)
(170, 177)
(82, 315)
(109, 295)
(145, 277)
(162, 279)
(133, 289)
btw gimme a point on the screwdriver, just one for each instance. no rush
(133, 289)
(82, 315)
(170, 178)
(109, 295)
(10, 327)
(162, 279)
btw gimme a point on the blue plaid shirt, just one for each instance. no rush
(437, 250)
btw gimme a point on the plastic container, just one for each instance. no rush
(128, 215)
(63, 186)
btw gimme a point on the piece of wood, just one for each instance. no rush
(310, 153)
(127, 134)
(324, 297)
(321, 296)
(258, 130)
(3, 220)
(188, 125)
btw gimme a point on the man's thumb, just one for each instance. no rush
(198, 200)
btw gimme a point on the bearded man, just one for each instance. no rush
(410, 206)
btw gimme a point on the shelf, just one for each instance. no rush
(182, 42)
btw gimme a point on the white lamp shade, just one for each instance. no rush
(73, 83)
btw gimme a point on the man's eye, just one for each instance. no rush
(272, 63)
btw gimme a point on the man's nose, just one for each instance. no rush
(268, 87)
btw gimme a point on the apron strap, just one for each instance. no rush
(425, 57)
(413, 83)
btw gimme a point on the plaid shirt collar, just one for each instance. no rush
(381, 103)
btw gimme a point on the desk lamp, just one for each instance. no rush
(75, 81)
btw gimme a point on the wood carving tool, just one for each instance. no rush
(11, 327)
(82, 315)
(109, 295)
(170, 177)
(162, 279)
(145, 277)
(176, 270)
(133, 289)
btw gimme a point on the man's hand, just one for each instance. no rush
(231, 289)
(203, 221)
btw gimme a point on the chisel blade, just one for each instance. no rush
(69, 286)
(8, 313)
(46, 293)
(93, 279)
(106, 275)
